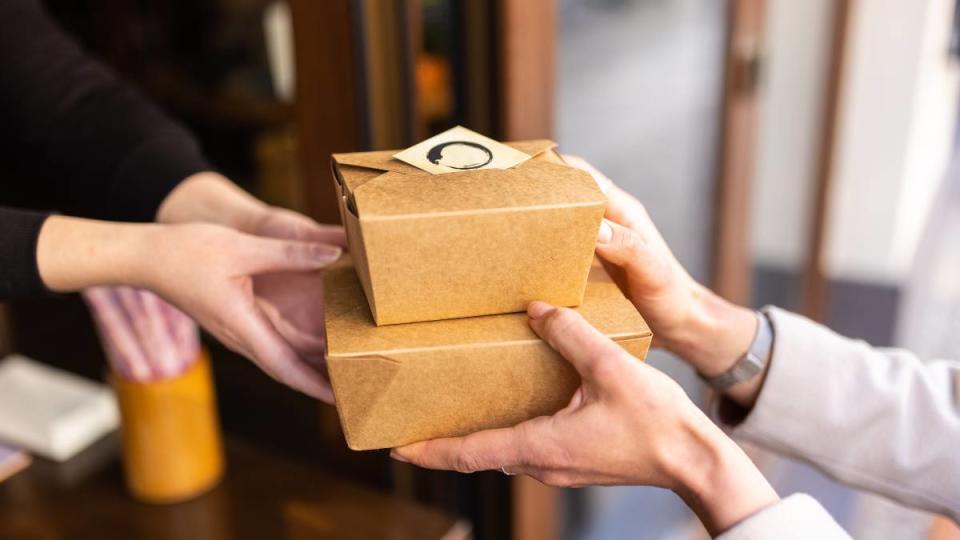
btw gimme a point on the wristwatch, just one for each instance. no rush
(750, 363)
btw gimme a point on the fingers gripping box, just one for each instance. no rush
(453, 237)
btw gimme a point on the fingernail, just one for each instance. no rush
(394, 455)
(538, 309)
(605, 184)
(605, 234)
(327, 254)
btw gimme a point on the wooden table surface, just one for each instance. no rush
(261, 496)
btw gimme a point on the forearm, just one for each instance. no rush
(717, 480)
(75, 253)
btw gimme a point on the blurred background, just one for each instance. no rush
(792, 153)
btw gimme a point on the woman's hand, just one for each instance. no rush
(292, 301)
(686, 318)
(206, 270)
(628, 423)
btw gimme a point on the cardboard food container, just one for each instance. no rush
(399, 384)
(478, 242)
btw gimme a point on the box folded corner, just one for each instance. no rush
(369, 379)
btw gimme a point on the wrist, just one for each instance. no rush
(210, 197)
(75, 253)
(718, 481)
(715, 334)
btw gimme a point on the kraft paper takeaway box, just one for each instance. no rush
(399, 384)
(440, 246)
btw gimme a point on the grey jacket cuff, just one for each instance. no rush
(798, 517)
(800, 370)
(880, 420)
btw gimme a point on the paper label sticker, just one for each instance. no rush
(460, 149)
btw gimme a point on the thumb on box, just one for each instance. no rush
(619, 245)
(593, 355)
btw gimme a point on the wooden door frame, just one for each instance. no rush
(731, 261)
(815, 279)
(329, 95)
(732, 268)
(526, 43)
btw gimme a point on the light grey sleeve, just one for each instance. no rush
(797, 517)
(876, 419)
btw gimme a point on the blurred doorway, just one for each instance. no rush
(640, 95)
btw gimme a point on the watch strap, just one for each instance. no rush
(751, 363)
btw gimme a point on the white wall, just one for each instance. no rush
(933, 130)
(896, 125)
(797, 52)
(897, 115)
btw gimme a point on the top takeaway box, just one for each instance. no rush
(463, 226)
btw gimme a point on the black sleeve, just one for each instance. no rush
(97, 147)
(18, 247)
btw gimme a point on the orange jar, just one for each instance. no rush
(171, 435)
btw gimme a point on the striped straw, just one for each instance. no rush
(115, 329)
(145, 338)
(184, 331)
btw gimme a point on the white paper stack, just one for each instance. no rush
(51, 412)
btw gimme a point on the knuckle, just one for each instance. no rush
(605, 367)
(314, 250)
(466, 463)
(627, 238)
(553, 478)
(562, 320)
(291, 251)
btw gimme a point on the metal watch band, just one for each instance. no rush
(750, 363)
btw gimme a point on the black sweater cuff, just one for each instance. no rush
(149, 173)
(19, 275)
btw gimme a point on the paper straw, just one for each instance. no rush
(116, 331)
(164, 355)
(184, 332)
(145, 338)
(94, 297)
(114, 357)
(133, 313)
(122, 332)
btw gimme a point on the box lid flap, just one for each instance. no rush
(380, 160)
(384, 161)
(533, 147)
(352, 332)
(533, 184)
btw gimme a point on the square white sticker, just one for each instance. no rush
(460, 149)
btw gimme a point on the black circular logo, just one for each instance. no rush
(462, 155)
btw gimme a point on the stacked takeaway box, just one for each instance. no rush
(449, 242)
